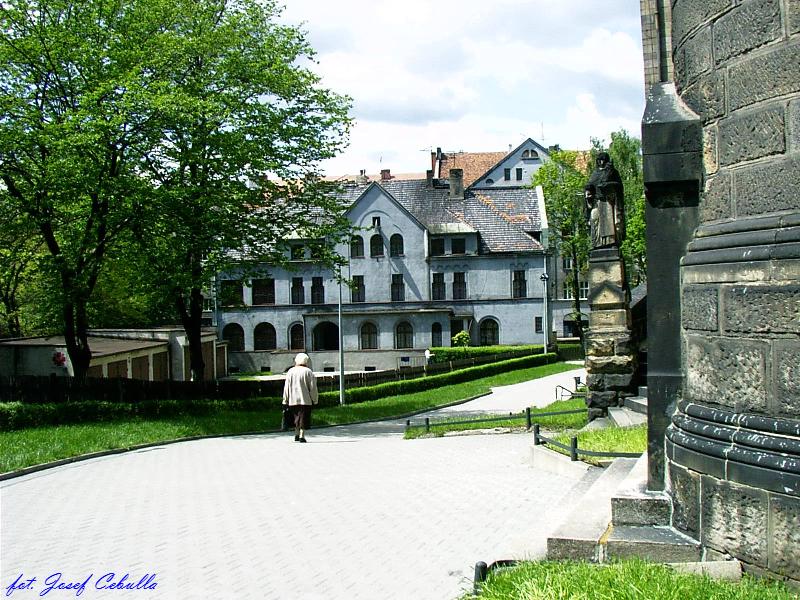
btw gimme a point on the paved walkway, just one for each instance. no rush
(358, 512)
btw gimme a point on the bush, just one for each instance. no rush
(446, 354)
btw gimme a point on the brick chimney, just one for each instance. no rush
(429, 178)
(456, 184)
(386, 174)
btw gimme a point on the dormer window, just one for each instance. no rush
(376, 222)
(298, 252)
(530, 155)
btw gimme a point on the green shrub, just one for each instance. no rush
(446, 354)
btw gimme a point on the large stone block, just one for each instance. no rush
(748, 26)
(768, 187)
(710, 150)
(687, 14)
(601, 400)
(793, 16)
(787, 378)
(761, 308)
(793, 124)
(685, 492)
(697, 55)
(609, 319)
(768, 75)
(610, 364)
(785, 539)
(706, 96)
(602, 272)
(599, 346)
(727, 371)
(699, 308)
(617, 382)
(735, 519)
(716, 203)
(752, 135)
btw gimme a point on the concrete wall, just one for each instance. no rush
(733, 447)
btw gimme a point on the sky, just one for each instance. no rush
(474, 75)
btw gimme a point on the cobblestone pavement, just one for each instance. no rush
(357, 512)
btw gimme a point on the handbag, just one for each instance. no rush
(287, 422)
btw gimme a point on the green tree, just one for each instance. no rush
(242, 128)
(19, 249)
(73, 76)
(563, 178)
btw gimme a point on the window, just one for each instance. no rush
(530, 154)
(458, 246)
(298, 292)
(567, 288)
(519, 286)
(538, 324)
(507, 174)
(438, 288)
(566, 263)
(317, 251)
(298, 252)
(263, 291)
(264, 337)
(404, 335)
(437, 246)
(234, 335)
(231, 293)
(376, 245)
(519, 174)
(489, 181)
(459, 286)
(297, 337)
(489, 333)
(396, 245)
(583, 288)
(398, 288)
(436, 335)
(317, 291)
(356, 247)
(376, 222)
(369, 336)
(357, 293)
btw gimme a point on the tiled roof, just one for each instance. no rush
(474, 164)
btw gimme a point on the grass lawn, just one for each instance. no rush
(611, 439)
(626, 580)
(26, 447)
(551, 423)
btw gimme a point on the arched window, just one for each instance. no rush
(356, 247)
(264, 337)
(369, 336)
(530, 154)
(325, 336)
(489, 333)
(404, 335)
(436, 335)
(396, 245)
(376, 245)
(297, 337)
(234, 335)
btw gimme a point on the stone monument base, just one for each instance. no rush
(610, 349)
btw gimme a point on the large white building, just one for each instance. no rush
(462, 249)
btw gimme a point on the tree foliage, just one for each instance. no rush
(161, 133)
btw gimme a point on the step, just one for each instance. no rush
(625, 417)
(634, 504)
(643, 391)
(657, 544)
(578, 536)
(637, 404)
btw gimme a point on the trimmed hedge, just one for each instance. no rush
(408, 386)
(18, 415)
(448, 353)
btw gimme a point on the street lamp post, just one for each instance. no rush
(341, 345)
(545, 326)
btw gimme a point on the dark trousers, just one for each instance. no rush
(302, 417)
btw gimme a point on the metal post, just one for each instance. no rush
(577, 383)
(528, 417)
(481, 572)
(427, 424)
(545, 326)
(535, 434)
(573, 448)
(341, 345)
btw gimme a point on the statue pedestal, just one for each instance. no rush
(610, 349)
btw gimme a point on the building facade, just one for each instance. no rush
(429, 258)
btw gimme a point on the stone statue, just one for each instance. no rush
(606, 205)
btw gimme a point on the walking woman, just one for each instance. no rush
(300, 394)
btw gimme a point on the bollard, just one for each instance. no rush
(577, 383)
(427, 424)
(481, 572)
(528, 417)
(535, 434)
(573, 448)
